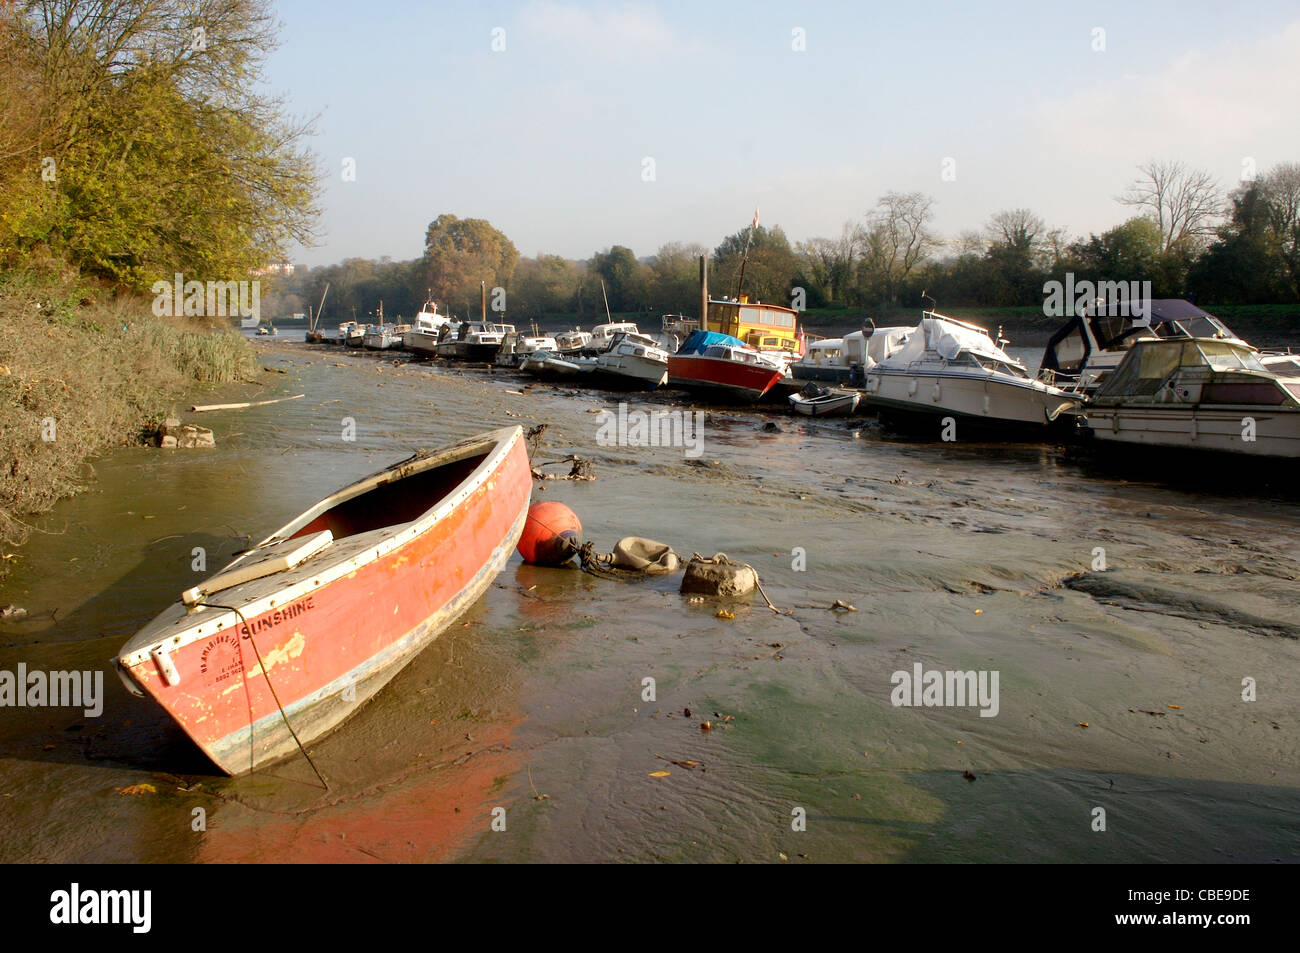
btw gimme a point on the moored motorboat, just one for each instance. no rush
(602, 336)
(572, 342)
(632, 360)
(545, 365)
(947, 368)
(722, 366)
(474, 341)
(818, 401)
(845, 360)
(291, 632)
(422, 338)
(1089, 346)
(1204, 394)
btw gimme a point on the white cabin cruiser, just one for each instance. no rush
(948, 368)
(473, 341)
(571, 342)
(1089, 346)
(1198, 394)
(632, 360)
(602, 335)
(845, 360)
(422, 338)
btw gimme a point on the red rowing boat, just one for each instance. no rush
(302, 629)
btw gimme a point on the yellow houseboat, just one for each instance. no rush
(769, 328)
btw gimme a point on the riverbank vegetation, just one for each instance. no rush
(83, 370)
(136, 143)
(1183, 234)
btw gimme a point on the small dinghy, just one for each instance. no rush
(817, 401)
(291, 638)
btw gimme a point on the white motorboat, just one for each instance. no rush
(1209, 394)
(949, 368)
(1085, 349)
(422, 338)
(474, 341)
(546, 365)
(602, 335)
(572, 342)
(818, 401)
(632, 360)
(384, 338)
(845, 360)
(518, 345)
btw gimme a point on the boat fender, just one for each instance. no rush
(552, 535)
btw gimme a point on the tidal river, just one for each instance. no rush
(1135, 644)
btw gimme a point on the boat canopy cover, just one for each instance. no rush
(948, 339)
(699, 340)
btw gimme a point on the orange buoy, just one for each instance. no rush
(551, 536)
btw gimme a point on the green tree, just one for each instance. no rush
(159, 149)
(770, 271)
(461, 253)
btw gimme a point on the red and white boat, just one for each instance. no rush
(302, 629)
(720, 365)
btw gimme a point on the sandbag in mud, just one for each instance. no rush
(719, 576)
(639, 554)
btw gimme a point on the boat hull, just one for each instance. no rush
(624, 372)
(1276, 431)
(826, 407)
(330, 643)
(985, 398)
(721, 378)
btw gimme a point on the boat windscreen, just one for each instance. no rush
(1225, 357)
(394, 502)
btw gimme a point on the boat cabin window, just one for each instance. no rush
(1225, 357)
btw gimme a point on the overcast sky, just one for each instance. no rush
(549, 138)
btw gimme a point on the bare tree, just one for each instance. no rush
(1017, 228)
(897, 240)
(831, 262)
(1281, 192)
(1183, 201)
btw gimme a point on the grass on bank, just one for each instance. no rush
(92, 371)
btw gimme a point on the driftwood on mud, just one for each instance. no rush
(199, 408)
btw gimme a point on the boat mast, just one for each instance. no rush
(704, 292)
(606, 297)
(321, 309)
(483, 301)
(745, 257)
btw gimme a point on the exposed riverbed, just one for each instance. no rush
(1119, 689)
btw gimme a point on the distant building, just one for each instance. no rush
(284, 268)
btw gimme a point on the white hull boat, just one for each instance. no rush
(632, 360)
(1200, 394)
(817, 401)
(948, 368)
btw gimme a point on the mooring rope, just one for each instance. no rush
(274, 694)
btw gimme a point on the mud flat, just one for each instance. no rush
(1129, 625)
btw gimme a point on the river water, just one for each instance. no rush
(1122, 693)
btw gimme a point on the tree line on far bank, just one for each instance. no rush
(1185, 236)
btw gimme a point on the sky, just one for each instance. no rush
(575, 126)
